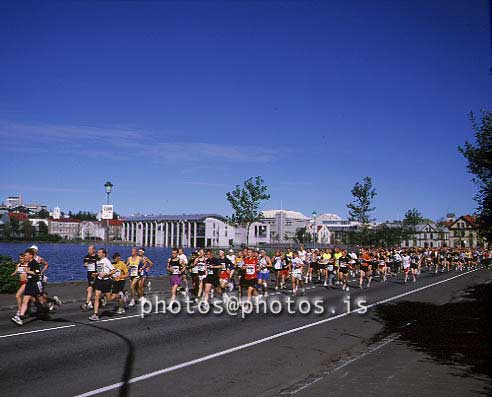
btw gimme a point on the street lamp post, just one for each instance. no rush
(315, 229)
(109, 187)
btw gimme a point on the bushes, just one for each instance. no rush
(8, 284)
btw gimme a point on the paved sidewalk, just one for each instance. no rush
(75, 291)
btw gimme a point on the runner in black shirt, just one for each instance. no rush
(34, 286)
(214, 267)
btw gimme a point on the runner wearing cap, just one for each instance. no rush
(33, 287)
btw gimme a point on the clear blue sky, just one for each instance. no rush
(176, 102)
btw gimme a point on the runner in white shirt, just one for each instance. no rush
(103, 282)
(405, 258)
(184, 276)
(297, 266)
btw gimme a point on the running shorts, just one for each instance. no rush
(118, 286)
(212, 279)
(103, 285)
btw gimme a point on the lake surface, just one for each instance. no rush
(66, 260)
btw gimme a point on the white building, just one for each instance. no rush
(56, 214)
(322, 234)
(35, 222)
(68, 229)
(92, 230)
(337, 226)
(259, 234)
(13, 201)
(428, 235)
(188, 231)
(284, 224)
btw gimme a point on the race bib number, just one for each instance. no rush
(250, 270)
(194, 269)
(175, 269)
(91, 267)
(330, 268)
(278, 266)
(133, 271)
(117, 274)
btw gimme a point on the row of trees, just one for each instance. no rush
(246, 201)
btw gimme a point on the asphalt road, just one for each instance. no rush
(335, 353)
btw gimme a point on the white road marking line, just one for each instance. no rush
(343, 365)
(362, 355)
(258, 341)
(37, 330)
(117, 318)
(304, 386)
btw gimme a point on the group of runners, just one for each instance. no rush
(251, 272)
(31, 270)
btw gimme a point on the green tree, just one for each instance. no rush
(479, 157)
(361, 206)
(7, 231)
(303, 236)
(42, 229)
(245, 202)
(43, 214)
(8, 284)
(15, 226)
(27, 230)
(412, 218)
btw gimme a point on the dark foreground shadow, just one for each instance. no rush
(458, 334)
(124, 390)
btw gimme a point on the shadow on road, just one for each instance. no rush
(458, 333)
(130, 357)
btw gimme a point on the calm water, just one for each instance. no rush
(65, 260)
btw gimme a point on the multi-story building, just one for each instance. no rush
(284, 224)
(13, 201)
(188, 231)
(96, 230)
(319, 233)
(337, 226)
(91, 230)
(428, 235)
(56, 213)
(463, 232)
(35, 208)
(66, 228)
(115, 228)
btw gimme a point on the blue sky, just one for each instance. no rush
(176, 102)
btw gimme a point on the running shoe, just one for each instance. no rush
(121, 310)
(132, 303)
(94, 317)
(17, 320)
(57, 300)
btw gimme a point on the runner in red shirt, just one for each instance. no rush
(250, 278)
